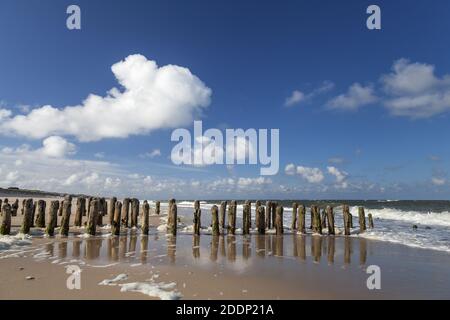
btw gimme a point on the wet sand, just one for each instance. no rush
(224, 267)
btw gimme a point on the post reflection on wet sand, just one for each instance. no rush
(128, 248)
(246, 247)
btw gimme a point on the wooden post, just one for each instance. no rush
(317, 224)
(330, 218)
(257, 205)
(14, 208)
(302, 219)
(67, 210)
(173, 219)
(249, 214)
(145, 216)
(93, 217)
(347, 225)
(88, 205)
(101, 211)
(55, 221)
(350, 219)
(197, 217)
(260, 217)
(81, 208)
(245, 214)
(273, 210)
(60, 208)
(26, 223)
(5, 227)
(362, 219)
(134, 212)
(294, 216)
(112, 209)
(268, 214)
(215, 220)
(125, 211)
(370, 221)
(324, 219)
(311, 224)
(158, 207)
(53, 216)
(40, 217)
(117, 221)
(279, 220)
(33, 213)
(232, 217)
(223, 210)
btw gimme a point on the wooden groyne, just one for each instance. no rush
(120, 215)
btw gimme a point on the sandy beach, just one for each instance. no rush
(159, 266)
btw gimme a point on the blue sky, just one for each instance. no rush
(370, 118)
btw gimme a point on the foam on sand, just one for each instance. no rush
(13, 242)
(164, 291)
(112, 282)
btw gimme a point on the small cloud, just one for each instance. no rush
(356, 97)
(295, 98)
(57, 147)
(152, 154)
(312, 175)
(99, 155)
(438, 181)
(434, 158)
(298, 96)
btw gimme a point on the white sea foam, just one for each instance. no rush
(113, 282)
(161, 290)
(13, 242)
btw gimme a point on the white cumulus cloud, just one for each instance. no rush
(152, 97)
(356, 97)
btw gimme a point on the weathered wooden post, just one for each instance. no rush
(67, 210)
(324, 218)
(197, 217)
(172, 219)
(23, 207)
(317, 224)
(350, 219)
(60, 208)
(232, 217)
(370, 221)
(40, 217)
(274, 212)
(112, 209)
(223, 210)
(215, 221)
(5, 227)
(257, 205)
(145, 216)
(101, 210)
(330, 218)
(158, 207)
(125, 211)
(81, 208)
(88, 205)
(28, 211)
(268, 214)
(115, 226)
(14, 208)
(301, 219)
(347, 223)
(249, 214)
(55, 221)
(362, 219)
(53, 216)
(93, 217)
(294, 216)
(245, 214)
(260, 217)
(279, 220)
(134, 212)
(311, 224)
